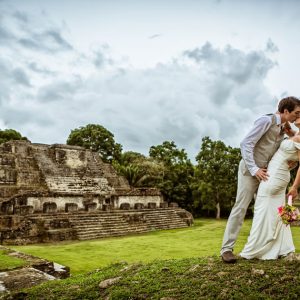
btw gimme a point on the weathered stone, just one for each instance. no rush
(125, 206)
(193, 268)
(23, 210)
(49, 207)
(173, 205)
(292, 257)
(90, 206)
(71, 207)
(36, 271)
(70, 180)
(7, 208)
(152, 205)
(107, 207)
(186, 216)
(163, 205)
(138, 206)
(108, 282)
(23, 278)
(257, 272)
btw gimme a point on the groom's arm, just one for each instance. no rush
(261, 126)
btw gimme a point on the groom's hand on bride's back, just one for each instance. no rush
(262, 174)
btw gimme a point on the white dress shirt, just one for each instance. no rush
(261, 126)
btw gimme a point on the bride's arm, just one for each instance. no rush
(293, 191)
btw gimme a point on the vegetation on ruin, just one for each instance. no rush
(10, 134)
(97, 138)
(189, 278)
(202, 239)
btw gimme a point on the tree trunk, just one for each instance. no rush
(218, 211)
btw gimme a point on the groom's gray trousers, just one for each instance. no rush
(246, 189)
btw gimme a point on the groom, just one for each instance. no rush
(257, 149)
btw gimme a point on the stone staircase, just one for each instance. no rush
(93, 225)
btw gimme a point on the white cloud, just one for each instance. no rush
(48, 87)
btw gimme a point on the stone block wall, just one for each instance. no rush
(32, 176)
(144, 200)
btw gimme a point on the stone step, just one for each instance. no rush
(126, 227)
(107, 230)
(132, 230)
(115, 222)
(105, 225)
(88, 236)
(100, 224)
(111, 219)
(153, 215)
(114, 212)
(116, 219)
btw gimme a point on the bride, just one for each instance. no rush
(269, 238)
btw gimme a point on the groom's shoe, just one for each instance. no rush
(228, 257)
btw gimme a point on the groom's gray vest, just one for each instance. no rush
(268, 144)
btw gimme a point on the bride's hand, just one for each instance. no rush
(293, 192)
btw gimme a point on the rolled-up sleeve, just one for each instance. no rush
(260, 127)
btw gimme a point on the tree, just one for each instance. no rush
(215, 180)
(169, 154)
(139, 170)
(178, 172)
(97, 138)
(10, 134)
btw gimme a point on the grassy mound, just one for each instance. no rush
(193, 278)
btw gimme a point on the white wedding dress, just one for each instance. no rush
(269, 238)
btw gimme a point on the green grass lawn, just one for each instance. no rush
(202, 239)
(7, 262)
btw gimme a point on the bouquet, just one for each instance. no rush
(288, 212)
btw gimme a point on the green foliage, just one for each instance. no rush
(96, 138)
(215, 180)
(8, 262)
(177, 174)
(169, 154)
(139, 170)
(10, 134)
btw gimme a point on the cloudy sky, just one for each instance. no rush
(148, 71)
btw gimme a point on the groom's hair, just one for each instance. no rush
(288, 103)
